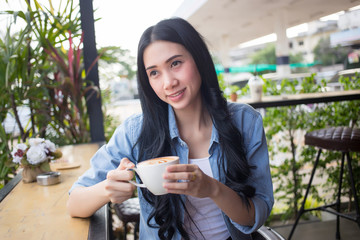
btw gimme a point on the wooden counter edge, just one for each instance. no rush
(10, 186)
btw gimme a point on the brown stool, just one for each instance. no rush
(129, 211)
(342, 139)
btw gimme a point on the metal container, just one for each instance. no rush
(48, 178)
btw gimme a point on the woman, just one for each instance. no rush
(223, 187)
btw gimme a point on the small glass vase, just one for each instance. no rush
(30, 172)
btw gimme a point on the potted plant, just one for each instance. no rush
(34, 156)
(234, 92)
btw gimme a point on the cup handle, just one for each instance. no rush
(135, 183)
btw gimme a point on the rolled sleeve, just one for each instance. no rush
(251, 126)
(108, 157)
(261, 214)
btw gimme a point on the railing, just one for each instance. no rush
(304, 98)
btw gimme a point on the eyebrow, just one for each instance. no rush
(168, 60)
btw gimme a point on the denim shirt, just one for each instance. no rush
(245, 118)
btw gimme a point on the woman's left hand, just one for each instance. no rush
(192, 182)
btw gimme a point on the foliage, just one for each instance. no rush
(28, 67)
(329, 55)
(67, 90)
(285, 127)
(4, 154)
(286, 121)
(268, 56)
(27, 75)
(343, 114)
(296, 58)
(234, 88)
(116, 65)
(228, 89)
(113, 55)
(110, 122)
(222, 84)
(41, 70)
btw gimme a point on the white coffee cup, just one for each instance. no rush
(151, 173)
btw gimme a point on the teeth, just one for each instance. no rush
(177, 94)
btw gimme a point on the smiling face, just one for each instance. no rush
(172, 74)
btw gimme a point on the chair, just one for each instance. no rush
(129, 211)
(342, 139)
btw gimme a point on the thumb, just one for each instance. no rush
(125, 163)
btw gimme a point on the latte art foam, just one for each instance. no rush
(155, 161)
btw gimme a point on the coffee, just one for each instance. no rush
(157, 161)
(151, 173)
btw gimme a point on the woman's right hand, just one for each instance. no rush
(117, 187)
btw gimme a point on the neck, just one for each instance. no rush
(194, 118)
(195, 126)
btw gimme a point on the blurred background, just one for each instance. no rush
(47, 88)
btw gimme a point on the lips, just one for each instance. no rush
(177, 94)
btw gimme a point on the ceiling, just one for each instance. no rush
(240, 21)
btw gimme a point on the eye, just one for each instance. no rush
(175, 63)
(153, 73)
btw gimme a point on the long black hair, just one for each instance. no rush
(155, 138)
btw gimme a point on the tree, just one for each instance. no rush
(114, 55)
(328, 55)
(117, 64)
(268, 56)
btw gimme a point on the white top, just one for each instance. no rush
(204, 212)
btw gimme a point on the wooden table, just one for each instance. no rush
(31, 211)
(304, 98)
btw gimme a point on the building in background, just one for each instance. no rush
(342, 32)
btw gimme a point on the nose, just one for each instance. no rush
(169, 80)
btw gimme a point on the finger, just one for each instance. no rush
(172, 186)
(119, 187)
(125, 163)
(119, 191)
(120, 175)
(182, 168)
(189, 176)
(179, 188)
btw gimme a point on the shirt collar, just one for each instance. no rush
(174, 132)
(214, 135)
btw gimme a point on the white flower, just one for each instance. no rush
(35, 141)
(36, 154)
(50, 146)
(18, 152)
(21, 146)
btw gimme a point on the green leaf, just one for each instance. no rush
(45, 166)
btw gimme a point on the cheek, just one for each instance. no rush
(194, 77)
(156, 86)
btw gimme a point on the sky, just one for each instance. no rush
(290, 32)
(121, 21)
